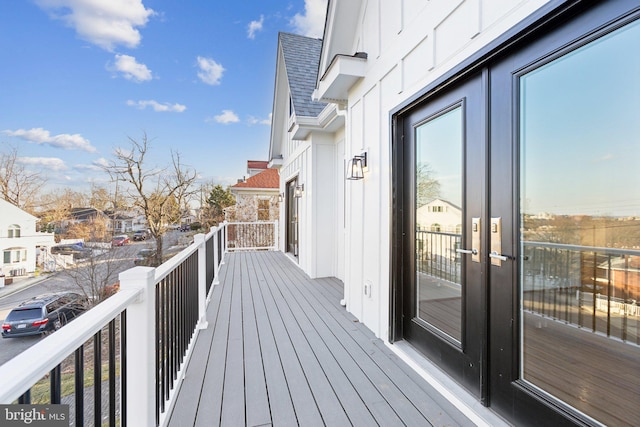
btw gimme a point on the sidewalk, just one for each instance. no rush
(22, 282)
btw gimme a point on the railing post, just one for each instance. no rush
(216, 265)
(141, 347)
(275, 235)
(225, 230)
(200, 240)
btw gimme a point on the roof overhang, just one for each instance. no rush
(328, 121)
(343, 72)
(250, 190)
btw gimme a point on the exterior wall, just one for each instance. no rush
(318, 164)
(247, 205)
(324, 226)
(410, 43)
(11, 215)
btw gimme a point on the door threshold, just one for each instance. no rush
(467, 403)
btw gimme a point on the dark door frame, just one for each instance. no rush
(464, 361)
(559, 20)
(291, 230)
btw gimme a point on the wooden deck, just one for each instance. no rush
(280, 350)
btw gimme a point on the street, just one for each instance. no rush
(121, 259)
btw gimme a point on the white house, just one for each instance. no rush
(307, 143)
(19, 240)
(517, 107)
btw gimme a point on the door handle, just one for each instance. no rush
(496, 255)
(467, 251)
(501, 257)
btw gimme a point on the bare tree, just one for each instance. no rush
(96, 276)
(154, 191)
(18, 185)
(428, 187)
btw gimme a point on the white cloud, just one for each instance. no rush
(105, 23)
(311, 24)
(101, 162)
(210, 71)
(175, 108)
(52, 163)
(256, 121)
(64, 140)
(226, 117)
(254, 26)
(131, 69)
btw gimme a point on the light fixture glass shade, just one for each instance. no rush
(299, 190)
(355, 168)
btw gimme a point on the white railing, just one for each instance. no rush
(252, 236)
(148, 298)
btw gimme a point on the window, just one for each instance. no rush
(14, 256)
(263, 209)
(14, 231)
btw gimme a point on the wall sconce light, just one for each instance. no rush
(281, 197)
(356, 166)
(299, 190)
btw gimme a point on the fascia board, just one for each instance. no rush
(341, 75)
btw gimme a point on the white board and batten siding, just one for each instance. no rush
(409, 44)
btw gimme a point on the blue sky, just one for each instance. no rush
(79, 77)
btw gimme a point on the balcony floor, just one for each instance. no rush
(280, 350)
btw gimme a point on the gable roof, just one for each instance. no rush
(268, 178)
(301, 58)
(9, 210)
(84, 214)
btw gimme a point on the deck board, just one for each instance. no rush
(280, 350)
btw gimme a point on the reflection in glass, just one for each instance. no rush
(438, 222)
(580, 228)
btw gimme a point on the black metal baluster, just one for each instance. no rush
(79, 386)
(25, 399)
(97, 378)
(123, 369)
(112, 373)
(55, 385)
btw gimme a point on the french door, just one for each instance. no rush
(444, 153)
(517, 261)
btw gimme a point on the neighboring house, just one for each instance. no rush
(256, 166)
(86, 215)
(518, 108)
(122, 223)
(19, 240)
(307, 145)
(440, 216)
(257, 198)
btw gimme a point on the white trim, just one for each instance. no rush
(468, 404)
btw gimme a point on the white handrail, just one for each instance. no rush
(20, 373)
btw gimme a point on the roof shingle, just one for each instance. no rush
(268, 178)
(301, 58)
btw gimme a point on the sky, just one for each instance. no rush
(81, 77)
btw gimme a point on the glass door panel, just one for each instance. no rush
(438, 213)
(580, 228)
(292, 218)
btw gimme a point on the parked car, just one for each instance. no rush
(77, 250)
(120, 240)
(145, 257)
(140, 235)
(185, 227)
(43, 314)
